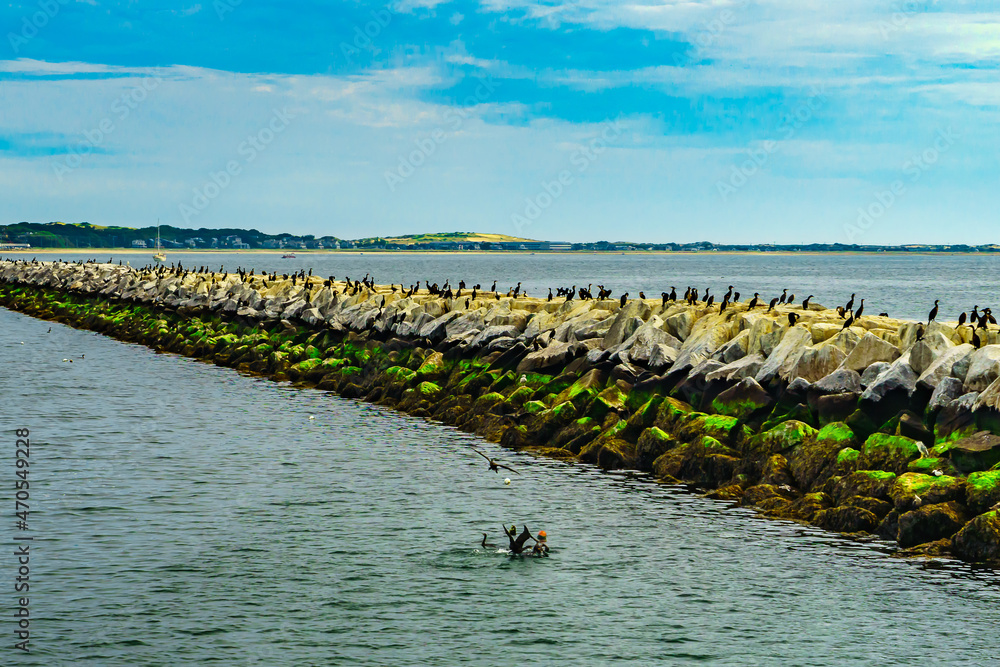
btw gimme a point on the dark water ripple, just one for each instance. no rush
(185, 514)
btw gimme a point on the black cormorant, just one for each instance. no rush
(934, 311)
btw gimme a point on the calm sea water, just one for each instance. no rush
(904, 286)
(185, 514)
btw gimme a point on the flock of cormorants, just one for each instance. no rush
(976, 319)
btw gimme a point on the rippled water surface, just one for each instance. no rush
(186, 514)
(904, 286)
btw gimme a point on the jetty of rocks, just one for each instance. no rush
(885, 427)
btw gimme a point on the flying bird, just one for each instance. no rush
(493, 464)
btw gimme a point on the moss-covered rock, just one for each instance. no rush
(848, 519)
(653, 443)
(871, 483)
(727, 430)
(434, 367)
(973, 453)
(780, 439)
(983, 491)
(979, 540)
(876, 506)
(744, 400)
(775, 471)
(929, 489)
(807, 507)
(815, 459)
(532, 407)
(888, 452)
(705, 462)
(932, 465)
(644, 416)
(670, 413)
(610, 453)
(930, 522)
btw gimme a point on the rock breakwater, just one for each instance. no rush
(885, 427)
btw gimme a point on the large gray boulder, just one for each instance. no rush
(947, 390)
(840, 381)
(556, 354)
(785, 356)
(628, 319)
(818, 362)
(890, 392)
(870, 349)
(747, 367)
(943, 365)
(927, 349)
(984, 368)
(734, 349)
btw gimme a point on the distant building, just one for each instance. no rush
(272, 244)
(139, 243)
(15, 246)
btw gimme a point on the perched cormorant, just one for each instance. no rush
(961, 319)
(550, 294)
(791, 319)
(623, 299)
(784, 296)
(493, 464)
(933, 313)
(850, 304)
(753, 301)
(774, 302)
(861, 309)
(848, 322)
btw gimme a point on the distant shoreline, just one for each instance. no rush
(608, 253)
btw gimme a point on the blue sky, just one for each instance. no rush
(728, 120)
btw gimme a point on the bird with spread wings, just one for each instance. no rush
(494, 466)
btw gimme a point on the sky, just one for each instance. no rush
(731, 121)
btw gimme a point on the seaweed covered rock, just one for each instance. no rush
(706, 462)
(780, 439)
(727, 430)
(652, 444)
(914, 489)
(979, 540)
(815, 458)
(977, 452)
(847, 519)
(930, 522)
(983, 491)
(892, 453)
(743, 400)
(870, 483)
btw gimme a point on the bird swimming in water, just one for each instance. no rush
(487, 545)
(934, 311)
(493, 464)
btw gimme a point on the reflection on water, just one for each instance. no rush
(187, 514)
